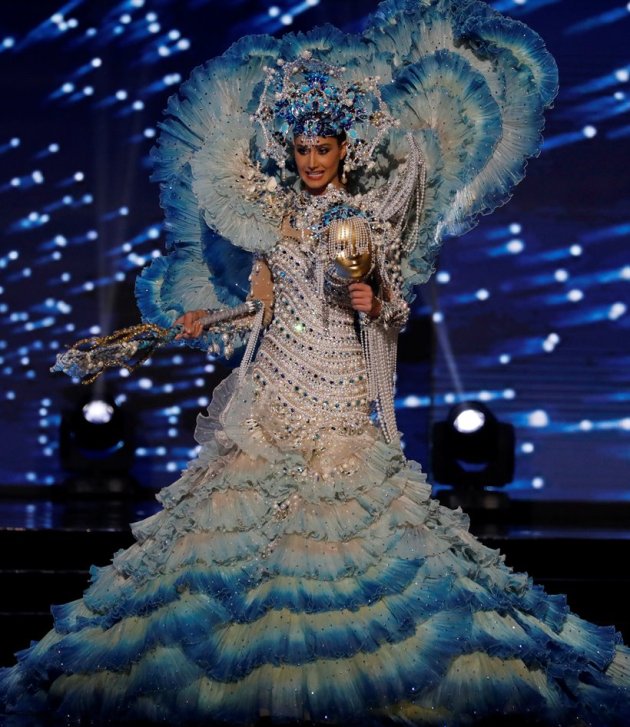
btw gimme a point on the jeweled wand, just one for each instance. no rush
(129, 347)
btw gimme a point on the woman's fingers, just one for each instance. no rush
(361, 297)
(190, 323)
(360, 290)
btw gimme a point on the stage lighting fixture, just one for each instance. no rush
(96, 446)
(473, 448)
(98, 412)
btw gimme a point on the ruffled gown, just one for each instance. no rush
(299, 571)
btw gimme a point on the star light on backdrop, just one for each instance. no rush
(529, 310)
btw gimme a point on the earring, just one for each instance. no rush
(347, 167)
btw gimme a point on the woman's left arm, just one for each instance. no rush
(388, 309)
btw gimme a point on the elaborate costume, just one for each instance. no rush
(299, 569)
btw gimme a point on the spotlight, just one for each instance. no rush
(98, 412)
(96, 447)
(473, 448)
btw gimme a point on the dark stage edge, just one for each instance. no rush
(492, 721)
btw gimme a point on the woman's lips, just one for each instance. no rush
(315, 175)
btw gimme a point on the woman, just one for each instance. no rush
(318, 166)
(299, 570)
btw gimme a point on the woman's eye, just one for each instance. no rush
(304, 150)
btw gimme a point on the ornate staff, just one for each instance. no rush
(352, 254)
(129, 347)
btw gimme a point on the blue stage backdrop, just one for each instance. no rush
(528, 312)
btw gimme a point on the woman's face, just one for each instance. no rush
(318, 161)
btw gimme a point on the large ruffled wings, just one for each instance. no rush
(468, 86)
(203, 164)
(471, 86)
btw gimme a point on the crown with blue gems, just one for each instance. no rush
(306, 98)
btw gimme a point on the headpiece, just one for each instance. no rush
(304, 98)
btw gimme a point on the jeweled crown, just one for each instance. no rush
(306, 97)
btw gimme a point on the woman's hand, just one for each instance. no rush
(362, 299)
(190, 322)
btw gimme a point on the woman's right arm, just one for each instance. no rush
(261, 288)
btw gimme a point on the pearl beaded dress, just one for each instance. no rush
(310, 369)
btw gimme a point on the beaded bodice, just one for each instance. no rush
(310, 371)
